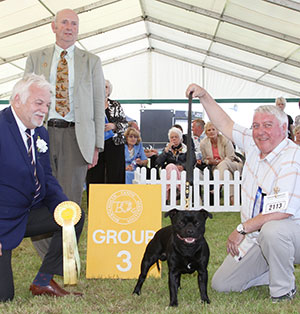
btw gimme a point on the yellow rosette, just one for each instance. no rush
(67, 214)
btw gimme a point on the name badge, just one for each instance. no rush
(275, 203)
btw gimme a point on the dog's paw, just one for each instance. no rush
(173, 304)
(137, 292)
(205, 300)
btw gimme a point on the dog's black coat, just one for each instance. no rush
(184, 247)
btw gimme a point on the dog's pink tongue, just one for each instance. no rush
(189, 240)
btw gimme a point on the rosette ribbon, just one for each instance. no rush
(67, 214)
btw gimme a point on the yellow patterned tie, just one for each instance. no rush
(62, 86)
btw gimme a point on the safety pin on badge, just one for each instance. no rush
(276, 190)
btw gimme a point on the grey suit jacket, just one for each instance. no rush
(89, 95)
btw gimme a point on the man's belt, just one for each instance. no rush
(59, 123)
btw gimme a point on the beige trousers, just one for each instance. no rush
(271, 262)
(69, 168)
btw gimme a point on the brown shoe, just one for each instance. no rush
(53, 289)
(45, 290)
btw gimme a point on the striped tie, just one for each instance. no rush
(30, 155)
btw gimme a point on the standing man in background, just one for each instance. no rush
(76, 115)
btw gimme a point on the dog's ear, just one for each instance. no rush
(171, 213)
(206, 213)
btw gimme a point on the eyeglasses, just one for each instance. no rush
(132, 136)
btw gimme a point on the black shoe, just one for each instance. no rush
(289, 296)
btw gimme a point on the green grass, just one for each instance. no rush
(115, 295)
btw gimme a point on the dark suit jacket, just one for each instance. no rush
(17, 182)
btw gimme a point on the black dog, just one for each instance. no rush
(184, 247)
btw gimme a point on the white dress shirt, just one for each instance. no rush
(278, 172)
(22, 129)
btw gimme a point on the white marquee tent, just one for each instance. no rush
(152, 49)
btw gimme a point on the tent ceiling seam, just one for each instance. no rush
(244, 77)
(224, 58)
(231, 20)
(225, 42)
(293, 5)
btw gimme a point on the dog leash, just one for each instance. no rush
(189, 166)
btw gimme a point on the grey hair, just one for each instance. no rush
(276, 112)
(200, 122)
(280, 100)
(22, 86)
(175, 130)
(110, 87)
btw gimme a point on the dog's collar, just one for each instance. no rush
(186, 240)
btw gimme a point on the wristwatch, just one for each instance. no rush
(240, 229)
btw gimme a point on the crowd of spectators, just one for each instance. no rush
(211, 150)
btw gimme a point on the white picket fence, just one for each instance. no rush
(198, 200)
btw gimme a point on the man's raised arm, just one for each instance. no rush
(216, 114)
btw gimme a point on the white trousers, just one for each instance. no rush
(271, 262)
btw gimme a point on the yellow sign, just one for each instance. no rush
(122, 220)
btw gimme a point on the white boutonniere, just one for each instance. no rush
(41, 145)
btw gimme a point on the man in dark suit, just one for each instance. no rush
(76, 135)
(28, 191)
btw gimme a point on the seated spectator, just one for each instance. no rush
(150, 152)
(184, 136)
(174, 155)
(198, 129)
(134, 153)
(281, 103)
(297, 134)
(198, 135)
(218, 153)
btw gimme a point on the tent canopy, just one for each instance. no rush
(254, 41)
